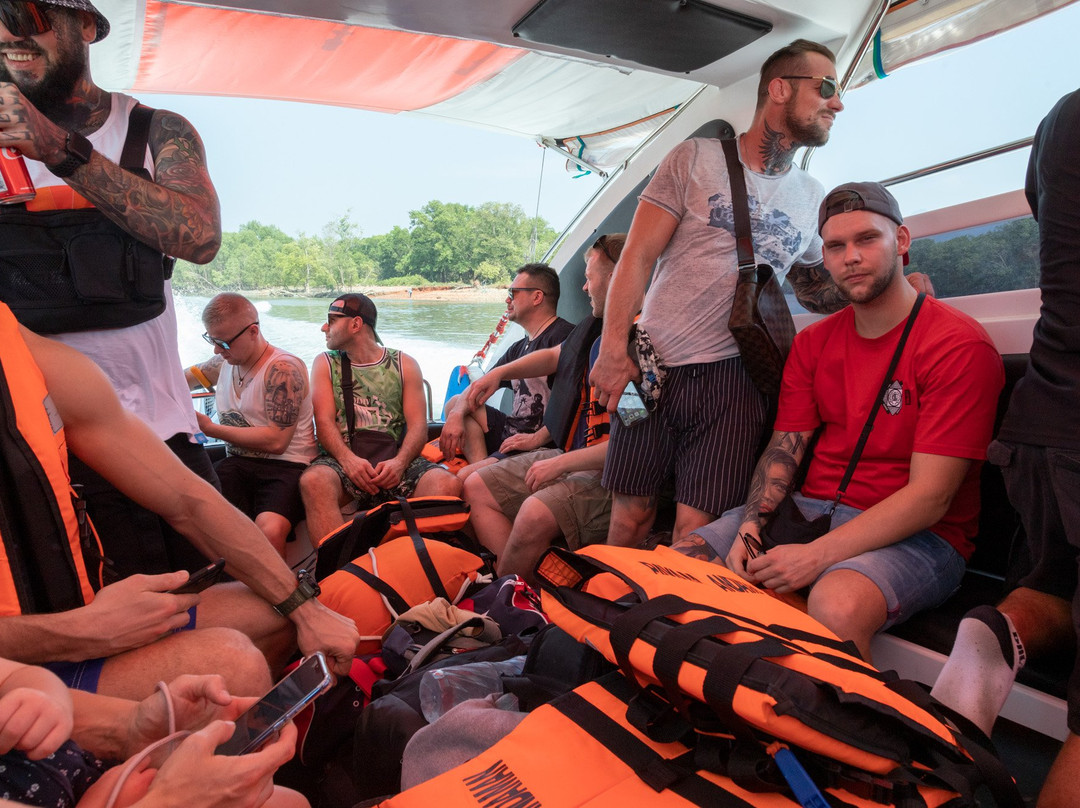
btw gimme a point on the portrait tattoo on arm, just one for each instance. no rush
(815, 289)
(284, 392)
(774, 475)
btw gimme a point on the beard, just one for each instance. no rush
(804, 134)
(870, 293)
(53, 92)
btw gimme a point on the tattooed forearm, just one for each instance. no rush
(178, 213)
(696, 547)
(774, 474)
(815, 289)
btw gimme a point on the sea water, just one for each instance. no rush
(439, 335)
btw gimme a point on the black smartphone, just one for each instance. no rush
(200, 579)
(631, 407)
(273, 711)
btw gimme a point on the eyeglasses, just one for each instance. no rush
(601, 244)
(754, 547)
(23, 18)
(828, 87)
(225, 343)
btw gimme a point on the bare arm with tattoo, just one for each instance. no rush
(285, 389)
(773, 475)
(815, 289)
(178, 213)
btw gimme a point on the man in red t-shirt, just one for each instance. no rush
(901, 533)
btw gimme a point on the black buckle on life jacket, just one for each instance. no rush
(866, 785)
(656, 718)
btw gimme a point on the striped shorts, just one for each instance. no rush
(704, 433)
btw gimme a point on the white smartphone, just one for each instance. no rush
(266, 717)
(631, 407)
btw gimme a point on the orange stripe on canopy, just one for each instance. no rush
(209, 51)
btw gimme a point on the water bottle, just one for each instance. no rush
(481, 362)
(444, 688)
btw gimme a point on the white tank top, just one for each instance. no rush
(247, 407)
(142, 361)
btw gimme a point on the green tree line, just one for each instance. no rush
(445, 243)
(999, 259)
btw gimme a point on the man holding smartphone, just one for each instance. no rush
(523, 504)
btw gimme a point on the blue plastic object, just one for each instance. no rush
(806, 793)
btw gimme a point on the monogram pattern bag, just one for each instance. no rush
(760, 320)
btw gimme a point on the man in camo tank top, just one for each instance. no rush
(389, 413)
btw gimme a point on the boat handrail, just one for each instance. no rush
(956, 162)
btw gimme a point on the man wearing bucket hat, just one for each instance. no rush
(374, 456)
(73, 135)
(897, 539)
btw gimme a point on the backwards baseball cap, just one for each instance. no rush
(356, 305)
(83, 5)
(871, 196)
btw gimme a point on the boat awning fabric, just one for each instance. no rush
(164, 46)
(917, 29)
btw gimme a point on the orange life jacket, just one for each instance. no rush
(41, 562)
(707, 650)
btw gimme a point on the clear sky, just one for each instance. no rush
(300, 166)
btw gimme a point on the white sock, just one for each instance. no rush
(980, 671)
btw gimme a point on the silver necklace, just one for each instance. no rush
(240, 380)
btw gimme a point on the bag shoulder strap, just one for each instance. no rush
(133, 157)
(347, 400)
(393, 597)
(869, 425)
(422, 553)
(744, 241)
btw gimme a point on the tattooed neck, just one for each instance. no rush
(88, 108)
(775, 151)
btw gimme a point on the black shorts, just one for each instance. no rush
(259, 485)
(1044, 486)
(496, 421)
(704, 432)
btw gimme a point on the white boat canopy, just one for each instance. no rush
(592, 78)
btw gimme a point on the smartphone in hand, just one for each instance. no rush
(200, 579)
(631, 407)
(264, 719)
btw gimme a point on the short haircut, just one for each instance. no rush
(227, 305)
(544, 278)
(610, 244)
(788, 61)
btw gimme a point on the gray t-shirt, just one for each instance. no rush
(687, 306)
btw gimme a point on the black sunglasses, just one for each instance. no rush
(225, 343)
(828, 87)
(601, 244)
(24, 19)
(514, 289)
(754, 548)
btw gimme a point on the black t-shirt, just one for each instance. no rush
(531, 395)
(1045, 406)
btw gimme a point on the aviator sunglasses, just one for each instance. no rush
(828, 87)
(24, 19)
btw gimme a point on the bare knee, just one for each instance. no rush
(319, 485)
(438, 483)
(476, 491)
(242, 665)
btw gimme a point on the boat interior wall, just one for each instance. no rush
(997, 208)
(695, 33)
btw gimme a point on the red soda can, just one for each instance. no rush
(15, 184)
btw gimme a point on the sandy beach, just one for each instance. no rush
(452, 294)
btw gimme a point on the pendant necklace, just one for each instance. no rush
(240, 380)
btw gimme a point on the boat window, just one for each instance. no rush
(977, 97)
(976, 260)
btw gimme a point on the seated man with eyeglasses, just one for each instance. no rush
(264, 416)
(483, 433)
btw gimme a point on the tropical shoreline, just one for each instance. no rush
(421, 294)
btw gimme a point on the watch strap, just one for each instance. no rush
(78, 150)
(306, 589)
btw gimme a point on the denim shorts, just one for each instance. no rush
(914, 574)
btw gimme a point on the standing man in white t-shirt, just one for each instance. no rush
(710, 416)
(264, 415)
